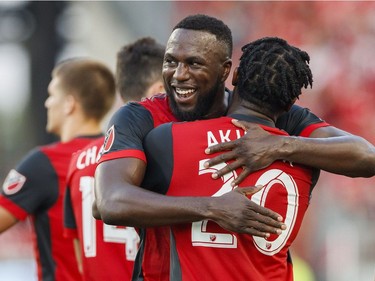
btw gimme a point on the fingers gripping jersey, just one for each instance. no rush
(36, 187)
(108, 252)
(203, 248)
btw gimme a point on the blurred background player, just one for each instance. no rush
(102, 246)
(81, 93)
(139, 69)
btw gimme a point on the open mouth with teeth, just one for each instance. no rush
(184, 94)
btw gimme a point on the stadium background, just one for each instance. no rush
(337, 239)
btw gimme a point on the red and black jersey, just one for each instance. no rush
(108, 252)
(203, 249)
(124, 138)
(131, 123)
(36, 187)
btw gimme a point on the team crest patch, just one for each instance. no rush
(13, 182)
(109, 139)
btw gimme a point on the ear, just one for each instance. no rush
(69, 104)
(227, 67)
(235, 77)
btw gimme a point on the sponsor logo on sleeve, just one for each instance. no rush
(13, 182)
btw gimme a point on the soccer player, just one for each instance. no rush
(196, 66)
(81, 93)
(271, 75)
(108, 252)
(197, 62)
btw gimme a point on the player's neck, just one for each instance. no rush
(220, 106)
(246, 108)
(73, 128)
(251, 112)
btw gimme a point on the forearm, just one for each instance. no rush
(345, 155)
(120, 201)
(232, 211)
(134, 206)
(95, 211)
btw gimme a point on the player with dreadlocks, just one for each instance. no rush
(197, 62)
(268, 80)
(272, 73)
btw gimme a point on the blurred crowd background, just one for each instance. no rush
(337, 240)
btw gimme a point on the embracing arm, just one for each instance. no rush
(327, 148)
(120, 201)
(332, 150)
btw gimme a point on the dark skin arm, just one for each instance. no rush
(95, 211)
(327, 148)
(120, 201)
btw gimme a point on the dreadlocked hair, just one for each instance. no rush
(272, 73)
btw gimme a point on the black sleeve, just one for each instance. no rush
(131, 124)
(296, 120)
(158, 146)
(40, 189)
